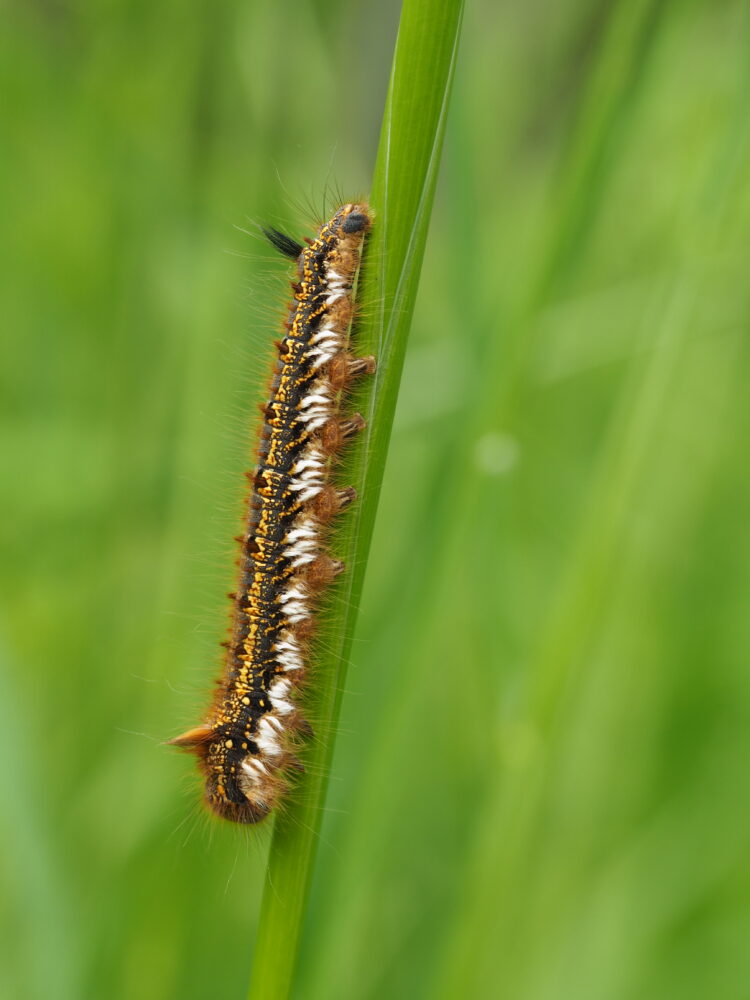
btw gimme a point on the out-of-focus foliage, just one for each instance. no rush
(539, 784)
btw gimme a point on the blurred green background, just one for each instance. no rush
(540, 783)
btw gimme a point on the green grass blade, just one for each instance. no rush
(402, 194)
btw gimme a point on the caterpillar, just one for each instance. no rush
(245, 747)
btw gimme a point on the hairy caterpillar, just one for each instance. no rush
(244, 747)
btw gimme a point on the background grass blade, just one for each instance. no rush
(402, 194)
(539, 781)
